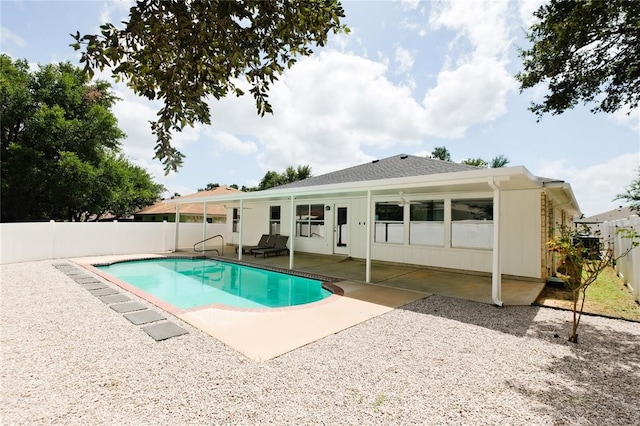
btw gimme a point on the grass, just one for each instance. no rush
(607, 296)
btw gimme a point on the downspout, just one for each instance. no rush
(368, 224)
(292, 231)
(496, 272)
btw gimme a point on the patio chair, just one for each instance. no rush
(279, 248)
(266, 241)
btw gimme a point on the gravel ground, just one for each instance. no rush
(67, 358)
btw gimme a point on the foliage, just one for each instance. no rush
(272, 178)
(59, 147)
(632, 194)
(498, 161)
(183, 52)
(477, 162)
(582, 263)
(441, 153)
(209, 187)
(585, 51)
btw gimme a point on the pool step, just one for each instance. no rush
(154, 324)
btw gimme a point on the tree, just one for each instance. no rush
(582, 263)
(441, 153)
(183, 52)
(477, 162)
(498, 161)
(59, 145)
(632, 194)
(209, 187)
(272, 178)
(586, 51)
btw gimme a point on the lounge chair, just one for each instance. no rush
(279, 248)
(266, 241)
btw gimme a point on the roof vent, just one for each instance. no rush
(375, 161)
(403, 156)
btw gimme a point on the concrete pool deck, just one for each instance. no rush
(265, 335)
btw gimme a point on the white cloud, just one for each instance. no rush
(630, 118)
(327, 108)
(404, 59)
(471, 94)
(229, 143)
(410, 4)
(527, 7)
(595, 187)
(9, 37)
(472, 87)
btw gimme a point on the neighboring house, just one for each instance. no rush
(192, 211)
(594, 222)
(415, 210)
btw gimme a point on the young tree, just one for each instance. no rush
(586, 51)
(632, 194)
(182, 52)
(581, 265)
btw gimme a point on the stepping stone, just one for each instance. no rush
(128, 307)
(83, 280)
(94, 286)
(164, 330)
(144, 317)
(114, 298)
(104, 291)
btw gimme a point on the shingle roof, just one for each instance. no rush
(196, 208)
(398, 166)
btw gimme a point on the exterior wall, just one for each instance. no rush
(520, 238)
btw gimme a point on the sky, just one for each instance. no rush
(409, 77)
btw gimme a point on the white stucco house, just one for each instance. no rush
(414, 210)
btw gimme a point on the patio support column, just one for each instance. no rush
(204, 224)
(292, 230)
(175, 243)
(369, 224)
(240, 239)
(496, 271)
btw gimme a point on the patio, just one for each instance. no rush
(456, 284)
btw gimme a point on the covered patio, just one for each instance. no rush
(468, 286)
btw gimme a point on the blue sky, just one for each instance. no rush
(411, 76)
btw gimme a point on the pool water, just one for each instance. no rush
(190, 283)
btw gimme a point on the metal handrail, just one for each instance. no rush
(207, 239)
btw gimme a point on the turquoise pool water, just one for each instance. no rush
(190, 283)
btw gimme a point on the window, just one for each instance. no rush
(389, 223)
(426, 226)
(274, 220)
(472, 223)
(310, 220)
(236, 219)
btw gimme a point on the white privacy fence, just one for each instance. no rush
(628, 267)
(21, 242)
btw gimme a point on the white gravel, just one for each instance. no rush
(67, 358)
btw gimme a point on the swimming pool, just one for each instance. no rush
(190, 283)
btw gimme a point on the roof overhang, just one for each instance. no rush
(506, 178)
